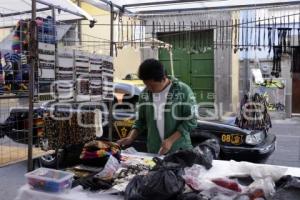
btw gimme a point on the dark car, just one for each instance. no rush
(235, 143)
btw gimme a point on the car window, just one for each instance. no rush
(131, 77)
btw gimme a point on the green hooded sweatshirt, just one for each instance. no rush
(179, 116)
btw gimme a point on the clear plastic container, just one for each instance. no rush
(50, 180)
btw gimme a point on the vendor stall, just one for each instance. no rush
(95, 168)
(244, 178)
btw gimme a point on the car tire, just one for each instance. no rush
(50, 161)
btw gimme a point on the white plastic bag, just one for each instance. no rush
(192, 177)
(110, 168)
(267, 185)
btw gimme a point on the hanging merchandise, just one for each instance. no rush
(22, 76)
(276, 70)
(107, 78)
(16, 73)
(21, 37)
(66, 128)
(82, 69)
(46, 30)
(96, 77)
(65, 75)
(253, 114)
(46, 70)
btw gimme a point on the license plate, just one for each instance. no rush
(232, 139)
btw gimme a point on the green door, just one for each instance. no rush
(193, 64)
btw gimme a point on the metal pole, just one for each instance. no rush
(31, 94)
(57, 155)
(79, 25)
(111, 54)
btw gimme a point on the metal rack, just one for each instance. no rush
(20, 134)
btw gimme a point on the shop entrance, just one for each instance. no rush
(193, 59)
(296, 95)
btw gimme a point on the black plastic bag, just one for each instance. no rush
(162, 184)
(133, 189)
(203, 154)
(287, 187)
(213, 146)
(94, 184)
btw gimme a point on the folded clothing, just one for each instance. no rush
(96, 153)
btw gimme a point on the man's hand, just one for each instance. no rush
(167, 144)
(129, 139)
(125, 141)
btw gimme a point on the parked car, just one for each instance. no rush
(235, 143)
(132, 79)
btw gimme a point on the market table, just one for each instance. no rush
(219, 169)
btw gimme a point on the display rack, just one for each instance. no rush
(34, 47)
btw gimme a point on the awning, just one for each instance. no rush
(159, 6)
(13, 10)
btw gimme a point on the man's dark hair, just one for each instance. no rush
(151, 69)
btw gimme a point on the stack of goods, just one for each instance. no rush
(65, 75)
(14, 73)
(46, 69)
(82, 69)
(253, 113)
(46, 30)
(107, 78)
(21, 37)
(96, 153)
(95, 77)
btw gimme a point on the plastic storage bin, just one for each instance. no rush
(50, 180)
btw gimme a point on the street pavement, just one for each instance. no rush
(287, 153)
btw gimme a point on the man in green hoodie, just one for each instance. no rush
(166, 111)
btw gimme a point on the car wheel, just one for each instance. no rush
(50, 161)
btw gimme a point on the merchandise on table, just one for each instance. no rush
(50, 180)
(133, 159)
(97, 153)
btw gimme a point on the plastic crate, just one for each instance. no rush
(50, 180)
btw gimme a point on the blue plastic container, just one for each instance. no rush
(50, 180)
